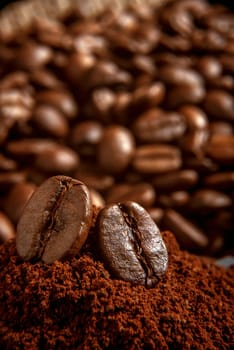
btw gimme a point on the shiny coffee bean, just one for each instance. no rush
(7, 230)
(50, 121)
(219, 104)
(57, 160)
(55, 221)
(156, 158)
(17, 199)
(220, 181)
(220, 148)
(115, 149)
(33, 56)
(142, 193)
(176, 180)
(187, 234)
(131, 244)
(207, 199)
(155, 125)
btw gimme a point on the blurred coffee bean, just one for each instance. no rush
(115, 149)
(220, 128)
(94, 177)
(179, 76)
(57, 160)
(156, 214)
(85, 137)
(175, 200)
(142, 193)
(50, 120)
(7, 164)
(153, 159)
(187, 234)
(96, 199)
(33, 56)
(219, 104)
(221, 149)
(207, 199)
(185, 94)
(44, 78)
(10, 178)
(7, 230)
(17, 199)
(209, 67)
(61, 100)
(176, 180)
(148, 96)
(221, 181)
(155, 125)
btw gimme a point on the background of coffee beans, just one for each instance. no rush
(139, 106)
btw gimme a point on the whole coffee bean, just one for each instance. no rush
(148, 96)
(17, 199)
(184, 94)
(85, 137)
(26, 148)
(33, 56)
(221, 149)
(187, 234)
(142, 193)
(176, 75)
(10, 178)
(96, 199)
(221, 181)
(156, 158)
(55, 221)
(158, 126)
(131, 244)
(176, 180)
(61, 100)
(220, 128)
(115, 149)
(176, 199)
(59, 159)
(206, 199)
(7, 230)
(219, 104)
(50, 121)
(209, 67)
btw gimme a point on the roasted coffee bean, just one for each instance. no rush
(176, 180)
(7, 230)
(57, 160)
(220, 128)
(185, 94)
(86, 136)
(148, 96)
(209, 67)
(94, 177)
(61, 100)
(176, 199)
(142, 193)
(221, 149)
(50, 121)
(157, 126)
(96, 199)
(33, 56)
(153, 159)
(219, 104)
(131, 244)
(55, 221)
(156, 214)
(26, 148)
(115, 149)
(195, 117)
(221, 181)
(179, 76)
(10, 178)
(187, 234)
(44, 78)
(17, 199)
(207, 199)
(7, 164)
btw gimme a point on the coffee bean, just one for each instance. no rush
(209, 67)
(86, 136)
(221, 181)
(17, 199)
(187, 234)
(96, 199)
(221, 149)
(55, 221)
(219, 104)
(50, 121)
(179, 76)
(61, 100)
(59, 159)
(131, 244)
(7, 230)
(206, 199)
(157, 126)
(185, 94)
(176, 180)
(153, 159)
(142, 193)
(115, 149)
(32, 56)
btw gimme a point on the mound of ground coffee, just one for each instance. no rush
(74, 304)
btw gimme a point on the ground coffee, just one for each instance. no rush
(75, 304)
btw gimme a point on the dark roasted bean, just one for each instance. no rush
(185, 231)
(61, 213)
(176, 180)
(157, 126)
(219, 104)
(115, 149)
(153, 159)
(131, 244)
(142, 193)
(206, 199)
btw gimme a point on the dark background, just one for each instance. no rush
(229, 3)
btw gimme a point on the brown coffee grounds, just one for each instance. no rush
(75, 304)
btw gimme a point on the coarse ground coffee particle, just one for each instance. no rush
(75, 304)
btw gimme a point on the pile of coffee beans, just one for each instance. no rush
(137, 105)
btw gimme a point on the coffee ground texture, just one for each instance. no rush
(75, 304)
